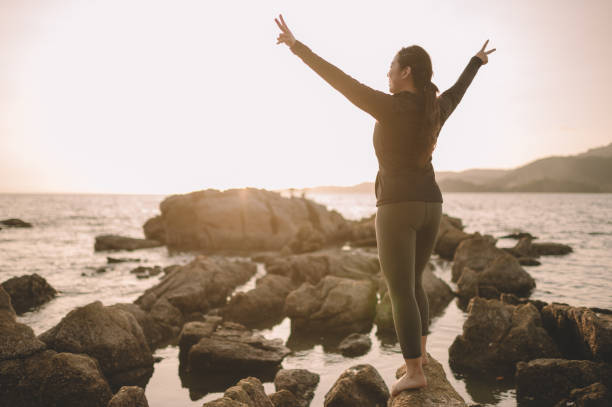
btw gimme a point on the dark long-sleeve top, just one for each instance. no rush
(398, 121)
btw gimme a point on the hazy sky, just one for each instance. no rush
(143, 96)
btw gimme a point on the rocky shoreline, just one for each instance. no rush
(322, 272)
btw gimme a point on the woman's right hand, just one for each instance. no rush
(286, 36)
(482, 54)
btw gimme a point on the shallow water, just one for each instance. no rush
(60, 248)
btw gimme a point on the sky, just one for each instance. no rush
(164, 97)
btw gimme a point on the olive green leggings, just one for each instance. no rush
(406, 235)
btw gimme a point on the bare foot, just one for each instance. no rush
(425, 360)
(405, 382)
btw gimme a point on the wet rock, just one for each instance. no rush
(263, 303)
(129, 396)
(438, 391)
(197, 287)
(116, 242)
(358, 386)
(51, 379)
(154, 229)
(496, 336)
(299, 382)
(233, 348)
(243, 220)
(15, 223)
(334, 305)
(476, 253)
(355, 344)
(193, 331)
(109, 334)
(284, 398)
(28, 292)
(356, 264)
(146, 272)
(247, 392)
(120, 259)
(593, 395)
(546, 381)
(439, 295)
(579, 332)
(450, 235)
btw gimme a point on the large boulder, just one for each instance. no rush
(194, 288)
(450, 234)
(263, 303)
(546, 381)
(111, 335)
(28, 292)
(497, 335)
(438, 391)
(579, 332)
(231, 348)
(51, 379)
(358, 386)
(245, 219)
(312, 267)
(334, 305)
(116, 242)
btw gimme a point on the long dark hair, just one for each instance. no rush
(420, 62)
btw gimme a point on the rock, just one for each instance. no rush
(17, 340)
(358, 386)
(546, 381)
(28, 292)
(154, 229)
(193, 331)
(129, 396)
(355, 344)
(299, 382)
(244, 220)
(595, 395)
(476, 253)
(109, 334)
(284, 398)
(525, 248)
(197, 287)
(579, 332)
(518, 236)
(15, 223)
(507, 276)
(496, 336)
(438, 391)
(154, 332)
(356, 264)
(514, 300)
(450, 235)
(5, 304)
(439, 295)
(334, 305)
(232, 348)
(263, 303)
(51, 379)
(247, 392)
(146, 272)
(120, 259)
(307, 239)
(116, 242)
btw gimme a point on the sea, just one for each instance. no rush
(60, 248)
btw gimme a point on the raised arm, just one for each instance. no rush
(451, 97)
(376, 103)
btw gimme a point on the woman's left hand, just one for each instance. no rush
(286, 36)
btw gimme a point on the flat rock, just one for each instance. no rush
(116, 242)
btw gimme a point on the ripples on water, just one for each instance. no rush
(60, 248)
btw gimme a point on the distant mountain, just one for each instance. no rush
(590, 171)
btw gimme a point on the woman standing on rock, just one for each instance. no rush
(408, 199)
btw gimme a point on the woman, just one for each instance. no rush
(408, 199)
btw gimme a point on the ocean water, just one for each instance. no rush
(60, 247)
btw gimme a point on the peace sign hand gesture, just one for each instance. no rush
(482, 54)
(286, 36)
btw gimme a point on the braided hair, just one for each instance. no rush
(420, 62)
